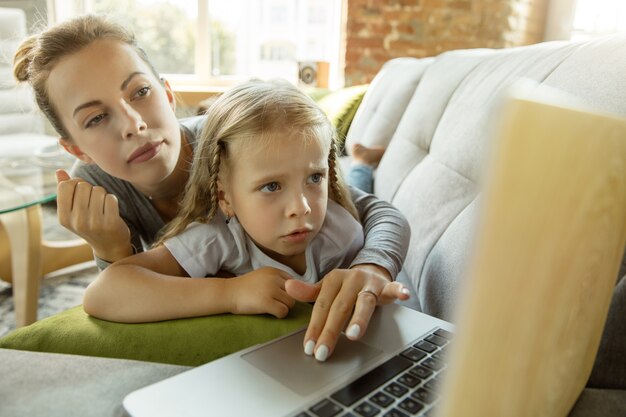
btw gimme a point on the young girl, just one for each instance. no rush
(113, 112)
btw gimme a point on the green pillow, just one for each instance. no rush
(316, 93)
(340, 106)
(190, 342)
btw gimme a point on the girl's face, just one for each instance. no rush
(118, 115)
(279, 193)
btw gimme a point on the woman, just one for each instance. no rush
(113, 112)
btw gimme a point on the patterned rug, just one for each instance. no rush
(60, 290)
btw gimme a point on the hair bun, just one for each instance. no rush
(23, 58)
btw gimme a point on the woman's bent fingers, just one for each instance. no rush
(111, 206)
(96, 202)
(82, 195)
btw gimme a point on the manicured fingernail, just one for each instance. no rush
(308, 347)
(354, 331)
(405, 291)
(321, 354)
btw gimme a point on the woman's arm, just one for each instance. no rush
(386, 231)
(93, 214)
(152, 286)
(353, 294)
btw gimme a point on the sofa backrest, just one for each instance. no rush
(445, 109)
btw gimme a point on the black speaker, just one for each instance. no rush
(313, 74)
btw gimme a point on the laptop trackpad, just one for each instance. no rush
(285, 361)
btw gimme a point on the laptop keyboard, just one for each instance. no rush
(405, 385)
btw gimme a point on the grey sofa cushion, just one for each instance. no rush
(52, 384)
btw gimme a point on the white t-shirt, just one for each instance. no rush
(204, 249)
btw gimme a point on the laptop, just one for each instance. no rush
(544, 265)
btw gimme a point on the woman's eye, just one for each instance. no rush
(95, 120)
(316, 178)
(270, 188)
(143, 91)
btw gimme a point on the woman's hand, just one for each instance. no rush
(341, 295)
(93, 214)
(260, 291)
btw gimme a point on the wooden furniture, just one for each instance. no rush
(26, 182)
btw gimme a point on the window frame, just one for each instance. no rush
(202, 81)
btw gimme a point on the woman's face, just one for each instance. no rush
(117, 113)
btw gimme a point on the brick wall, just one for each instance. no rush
(378, 30)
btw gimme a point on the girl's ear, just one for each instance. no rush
(72, 148)
(170, 94)
(223, 199)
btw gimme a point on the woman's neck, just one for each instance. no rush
(166, 195)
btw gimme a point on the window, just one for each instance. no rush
(598, 17)
(219, 42)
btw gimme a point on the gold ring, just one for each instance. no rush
(368, 291)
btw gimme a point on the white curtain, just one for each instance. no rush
(60, 10)
(560, 20)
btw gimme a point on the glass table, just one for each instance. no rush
(27, 181)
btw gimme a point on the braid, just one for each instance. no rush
(215, 153)
(332, 173)
(338, 190)
(199, 185)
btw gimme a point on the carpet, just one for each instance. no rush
(60, 290)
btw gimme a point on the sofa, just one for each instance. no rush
(434, 115)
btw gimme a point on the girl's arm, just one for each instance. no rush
(152, 286)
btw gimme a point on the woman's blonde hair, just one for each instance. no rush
(37, 55)
(252, 111)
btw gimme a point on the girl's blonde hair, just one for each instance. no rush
(252, 110)
(37, 55)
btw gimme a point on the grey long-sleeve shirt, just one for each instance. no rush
(386, 230)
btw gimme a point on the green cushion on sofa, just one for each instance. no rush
(190, 342)
(341, 106)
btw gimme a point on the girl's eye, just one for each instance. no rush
(316, 178)
(95, 120)
(270, 188)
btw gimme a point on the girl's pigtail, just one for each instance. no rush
(338, 189)
(214, 168)
(202, 182)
